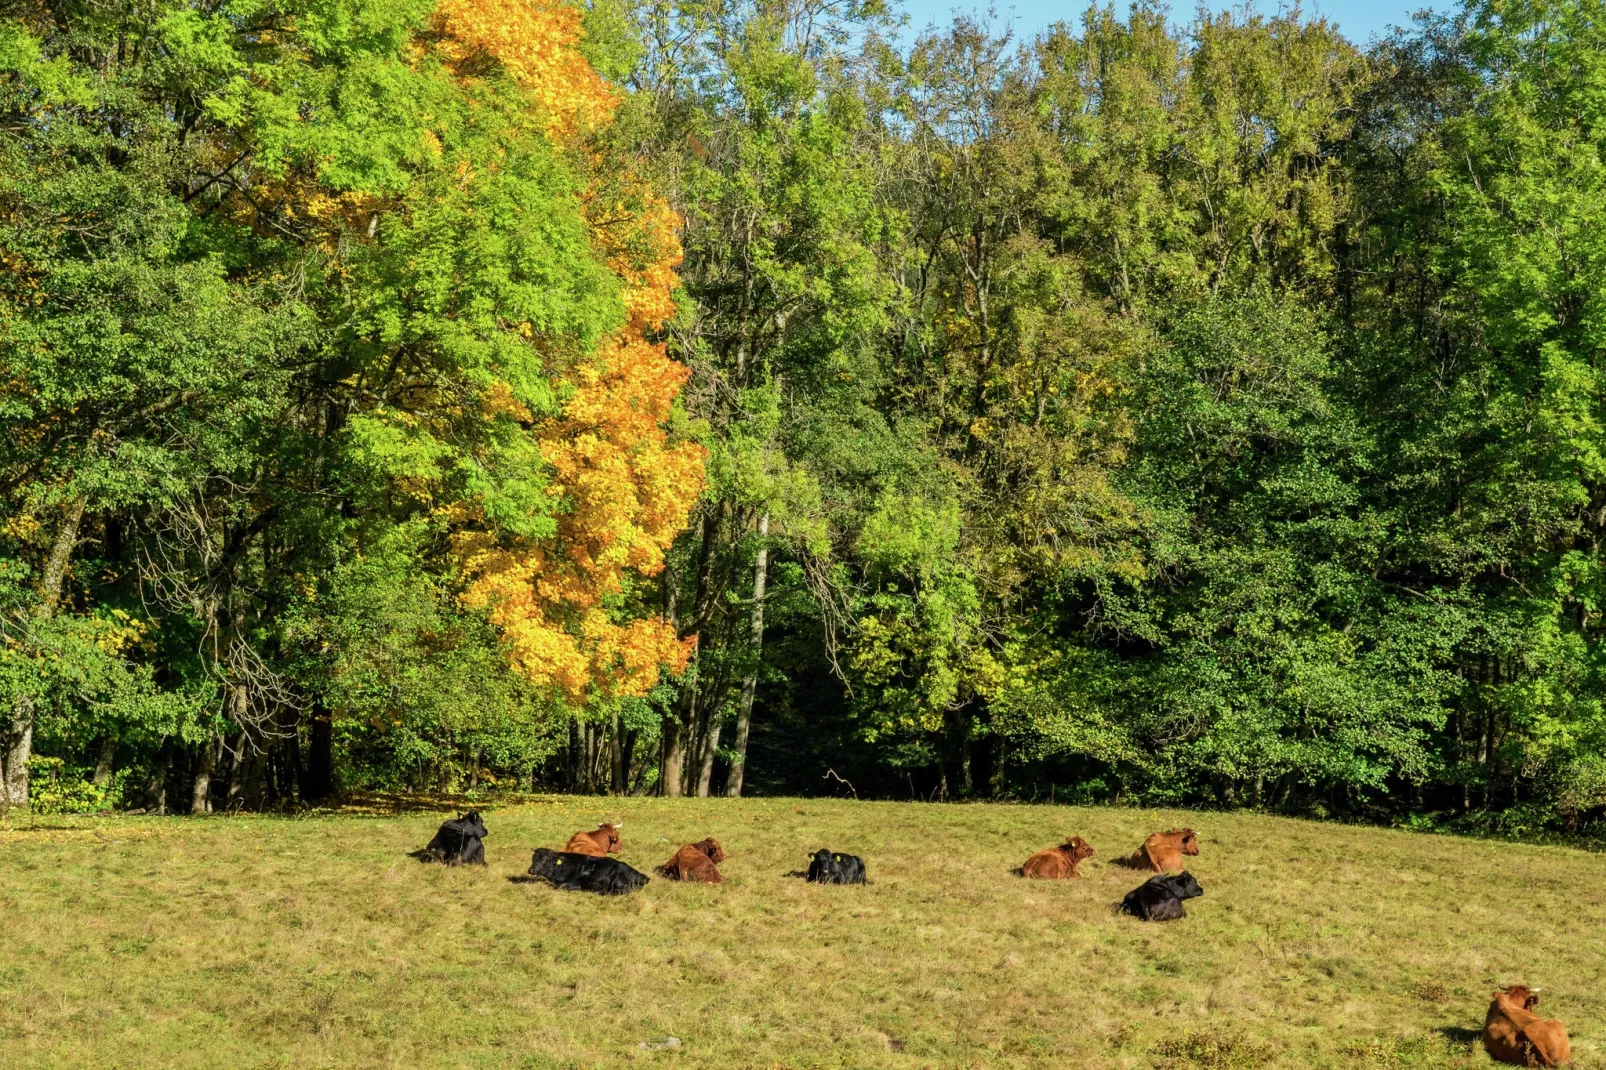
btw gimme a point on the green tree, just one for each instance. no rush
(761, 118)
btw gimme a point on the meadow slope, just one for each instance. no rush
(316, 942)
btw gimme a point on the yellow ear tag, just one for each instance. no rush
(836, 858)
(560, 861)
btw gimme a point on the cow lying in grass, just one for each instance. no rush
(1057, 863)
(1513, 1033)
(603, 840)
(458, 842)
(1163, 851)
(696, 862)
(830, 868)
(1160, 898)
(574, 872)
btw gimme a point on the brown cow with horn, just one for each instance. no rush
(597, 843)
(1057, 863)
(1514, 1034)
(1163, 851)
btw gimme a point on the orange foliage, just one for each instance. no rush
(635, 232)
(625, 491)
(626, 494)
(535, 42)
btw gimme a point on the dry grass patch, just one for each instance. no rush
(316, 942)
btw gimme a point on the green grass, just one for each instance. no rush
(312, 942)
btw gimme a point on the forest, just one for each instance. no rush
(763, 396)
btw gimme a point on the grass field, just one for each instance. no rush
(315, 942)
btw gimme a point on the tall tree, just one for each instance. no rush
(760, 117)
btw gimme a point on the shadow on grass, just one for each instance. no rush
(1459, 1034)
(800, 874)
(47, 828)
(524, 878)
(380, 804)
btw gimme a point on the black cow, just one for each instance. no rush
(831, 868)
(458, 842)
(585, 873)
(1160, 898)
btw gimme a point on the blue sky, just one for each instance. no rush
(1359, 20)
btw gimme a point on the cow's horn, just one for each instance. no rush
(1536, 988)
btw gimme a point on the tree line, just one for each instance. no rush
(709, 396)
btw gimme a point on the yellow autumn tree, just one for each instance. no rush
(536, 43)
(623, 489)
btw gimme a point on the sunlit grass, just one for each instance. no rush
(315, 942)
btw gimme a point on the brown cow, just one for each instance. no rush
(1057, 863)
(1514, 1034)
(696, 862)
(1162, 852)
(601, 842)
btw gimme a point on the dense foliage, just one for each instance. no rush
(717, 395)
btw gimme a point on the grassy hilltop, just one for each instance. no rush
(315, 942)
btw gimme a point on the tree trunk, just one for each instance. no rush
(575, 758)
(710, 746)
(157, 795)
(634, 771)
(674, 762)
(20, 747)
(18, 753)
(203, 784)
(588, 737)
(294, 776)
(616, 755)
(696, 729)
(675, 731)
(678, 736)
(320, 758)
(201, 799)
(103, 762)
(233, 791)
(1461, 760)
(744, 713)
(253, 786)
(60, 556)
(955, 759)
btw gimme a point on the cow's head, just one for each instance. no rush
(823, 857)
(1183, 886)
(545, 863)
(1077, 848)
(1187, 842)
(712, 849)
(1520, 996)
(471, 824)
(609, 834)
